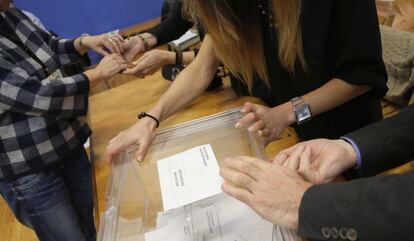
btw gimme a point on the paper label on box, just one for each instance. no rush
(188, 177)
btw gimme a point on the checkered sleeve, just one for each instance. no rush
(65, 49)
(22, 93)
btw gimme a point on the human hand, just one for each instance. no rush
(265, 121)
(109, 66)
(133, 46)
(104, 44)
(274, 192)
(142, 134)
(318, 161)
(150, 62)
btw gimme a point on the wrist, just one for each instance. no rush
(94, 76)
(84, 41)
(149, 122)
(293, 215)
(156, 113)
(168, 57)
(150, 39)
(350, 154)
(288, 113)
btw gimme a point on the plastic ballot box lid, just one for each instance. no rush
(134, 209)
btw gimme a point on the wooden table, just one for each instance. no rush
(116, 109)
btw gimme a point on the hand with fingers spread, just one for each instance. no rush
(318, 161)
(104, 44)
(109, 66)
(150, 62)
(274, 192)
(141, 134)
(267, 122)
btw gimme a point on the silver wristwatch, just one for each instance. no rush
(302, 110)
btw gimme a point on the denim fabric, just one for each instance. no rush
(57, 202)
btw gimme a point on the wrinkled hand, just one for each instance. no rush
(318, 161)
(111, 65)
(274, 192)
(142, 134)
(150, 62)
(132, 47)
(265, 121)
(105, 44)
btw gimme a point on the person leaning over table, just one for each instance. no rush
(315, 63)
(368, 209)
(45, 174)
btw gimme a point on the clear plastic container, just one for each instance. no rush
(134, 203)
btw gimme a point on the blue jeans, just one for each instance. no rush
(57, 203)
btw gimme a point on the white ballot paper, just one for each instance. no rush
(188, 177)
(219, 218)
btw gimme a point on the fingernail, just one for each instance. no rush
(140, 158)
(237, 125)
(250, 129)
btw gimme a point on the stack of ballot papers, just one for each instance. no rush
(195, 209)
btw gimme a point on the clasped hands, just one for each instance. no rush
(115, 46)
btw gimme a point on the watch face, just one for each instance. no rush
(303, 113)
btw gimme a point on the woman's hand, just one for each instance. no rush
(133, 46)
(267, 122)
(318, 161)
(141, 134)
(104, 44)
(150, 62)
(109, 66)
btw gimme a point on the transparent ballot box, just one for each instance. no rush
(135, 209)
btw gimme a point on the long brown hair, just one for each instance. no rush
(234, 26)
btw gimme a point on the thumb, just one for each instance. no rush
(143, 148)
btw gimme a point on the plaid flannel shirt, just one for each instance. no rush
(42, 120)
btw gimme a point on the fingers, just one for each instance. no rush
(249, 165)
(246, 120)
(141, 68)
(280, 158)
(115, 146)
(113, 44)
(144, 144)
(237, 178)
(240, 194)
(118, 42)
(294, 159)
(257, 126)
(249, 107)
(117, 37)
(305, 163)
(264, 132)
(102, 51)
(242, 164)
(291, 149)
(136, 71)
(117, 63)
